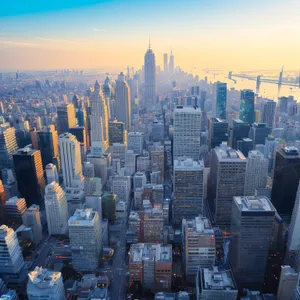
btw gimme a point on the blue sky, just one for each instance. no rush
(207, 33)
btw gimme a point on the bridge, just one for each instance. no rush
(259, 79)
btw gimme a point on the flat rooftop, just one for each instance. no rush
(225, 153)
(254, 203)
(154, 252)
(82, 217)
(217, 279)
(200, 225)
(188, 164)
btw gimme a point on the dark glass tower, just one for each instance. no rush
(240, 130)
(30, 175)
(286, 179)
(247, 113)
(221, 99)
(218, 132)
(48, 145)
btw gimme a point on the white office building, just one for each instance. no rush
(56, 209)
(70, 157)
(45, 285)
(130, 162)
(51, 173)
(256, 172)
(139, 180)
(85, 239)
(187, 128)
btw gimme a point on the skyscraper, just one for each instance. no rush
(2, 203)
(123, 101)
(30, 175)
(172, 63)
(99, 121)
(85, 239)
(247, 113)
(166, 69)
(32, 219)
(8, 146)
(218, 132)
(219, 104)
(188, 190)
(268, 110)
(252, 224)
(199, 245)
(56, 209)
(150, 78)
(70, 157)
(44, 283)
(12, 267)
(228, 168)
(240, 130)
(286, 179)
(65, 117)
(15, 209)
(258, 133)
(51, 173)
(117, 132)
(135, 142)
(48, 145)
(187, 127)
(256, 172)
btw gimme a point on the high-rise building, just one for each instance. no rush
(51, 173)
(32, 219)
(158, 131)
(130, 163)
(135, 142)
(119, 153)
(56, 209)
(199, 245)
(15, 209)
(215, 283)
(48, 145)
(186, 136)
(45, 284)
(158, 161)
(219, 103)
(117, 132)
(30, 175)
(268, 110)
(70, 157)
(12, 267)
(121, 186)
(151, 266)
(80, 134)
(287, 283)
(247, 113)
(172, 63)
(93, 186)
(188, 191)
(296, 294)
(99, 122)
(150, 78)
(240, 130)
(153, 223)
(228, 168)
(218, 132)
(65, 117)
(166, 68)
(139, 180)
(256, 172)
(252, 224)
(286, 179)
(85, 239)
(258, 133)
(8, 146)
(109, 207)
(283, 104)
(123, 102)
(2, 203)
(245, 145)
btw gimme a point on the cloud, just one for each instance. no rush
(7, 42)
(100, 30)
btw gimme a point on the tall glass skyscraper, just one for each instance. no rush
(219, 105)
(247, 106)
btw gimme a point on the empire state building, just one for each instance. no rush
(150, 78)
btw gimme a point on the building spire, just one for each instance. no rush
(149, 43)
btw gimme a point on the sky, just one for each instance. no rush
(220, 34)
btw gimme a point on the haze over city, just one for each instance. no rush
(232, 34)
